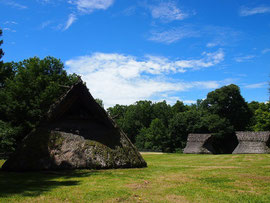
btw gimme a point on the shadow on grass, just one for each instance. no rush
(35, 183)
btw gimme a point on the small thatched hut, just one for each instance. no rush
(253, 143)
(199, 144)
(77, 133)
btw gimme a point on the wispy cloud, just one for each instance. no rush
(44, 1)
(85, 7)
(245, 11)
(45, 24)
(221, 36)
(167, 11)
(129, 11)
(257, 85)
(10, 23)
(265, 50)
(244, 58)
(13, 4)
(8, 29)
(173, 35)
(71, 19)
(135, 79)
(88, 6)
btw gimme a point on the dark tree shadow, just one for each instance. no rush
(35, 183)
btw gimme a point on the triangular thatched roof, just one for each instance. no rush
(77, 133)
(199, 144)
(253, 142)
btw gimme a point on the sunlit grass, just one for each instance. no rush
(168, 178)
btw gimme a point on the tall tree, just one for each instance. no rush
(26, 97)
(154, 138)
(136, 117)
(262, 118)
(162, 111)
(181, 125)
(1, 42)
(179, 107)
(228, 103)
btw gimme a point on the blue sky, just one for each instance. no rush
(147, 49)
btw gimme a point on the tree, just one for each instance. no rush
(201, 121)
(179, 107)
(228, 103)
(7, 71)
(225, 140)
(100, 102)
(27, 96)
(1, 42)
(162, 111)
(117, 112)
(154, 138)
(181, 125)
(262, 118)
(253, 106)
(7, 137)
(136, 117)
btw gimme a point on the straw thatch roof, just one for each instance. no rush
(199, 144)
(77, 133)
(253, 142)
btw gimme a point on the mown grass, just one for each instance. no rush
(168, 178)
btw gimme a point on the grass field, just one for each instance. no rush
(168, 178)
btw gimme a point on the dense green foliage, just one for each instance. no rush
(228, 103)
(1, 42)
(27, 89)
(162, 127)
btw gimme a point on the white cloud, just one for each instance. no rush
(88, 6)
(257, 85)
(8, 29)
(221, 36)
(13, 4)
(45, 24)
(189, 102)
(172, 100)
(244, 58)
(244, 11)
(167, 11)
(44, 1)
(10, 22)
(265, 51)
(173, 35)
(71, 19)
(121, 79)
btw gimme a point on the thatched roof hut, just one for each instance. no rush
(199, 144)
(77, 133)
(253, 142)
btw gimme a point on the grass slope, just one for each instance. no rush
(168, 178)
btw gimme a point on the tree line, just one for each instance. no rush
(163, 127)
(29, 87)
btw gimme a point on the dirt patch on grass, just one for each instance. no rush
(176, 198)
(214, 167)
(174, 178)
(132, 198)
(141, 185)
(253, 177)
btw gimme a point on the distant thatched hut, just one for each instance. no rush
(199, 144)
(253, 143)
(77, 133)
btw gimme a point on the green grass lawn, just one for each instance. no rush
(168, 178)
